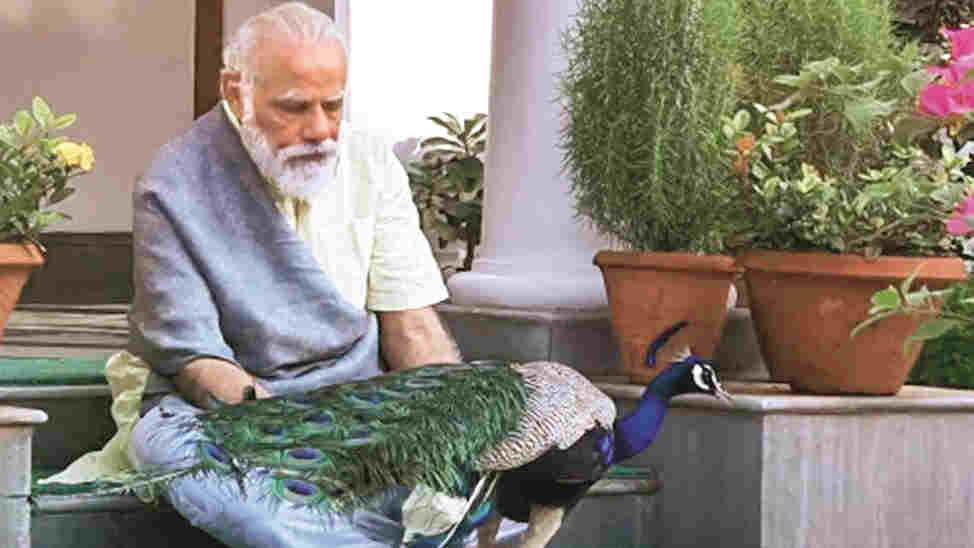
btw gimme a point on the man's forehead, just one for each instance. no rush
(282, 64)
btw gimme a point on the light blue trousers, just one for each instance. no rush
(165, 438)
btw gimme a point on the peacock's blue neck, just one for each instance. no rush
(637, 430)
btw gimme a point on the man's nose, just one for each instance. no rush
(321, 125)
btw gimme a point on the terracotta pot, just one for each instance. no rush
(805, 305)
(649, 292)
(17, 260)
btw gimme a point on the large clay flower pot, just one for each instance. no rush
(17, 260)
(805, 305)
(650, 292)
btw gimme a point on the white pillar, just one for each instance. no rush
(534, 254)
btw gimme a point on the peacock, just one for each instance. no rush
(492, 439)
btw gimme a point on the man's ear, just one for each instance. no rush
(230, 82)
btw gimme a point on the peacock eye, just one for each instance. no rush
(303, 458)
(297, 491)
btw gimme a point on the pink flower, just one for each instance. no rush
(954, 73)
(962, 220)
(944, 102)
(961, 42)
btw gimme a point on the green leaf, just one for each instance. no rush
(23, 122)
(62, 122)
(742, 120)
(7, 136)
(887, 298)
(869, 321)
(451, 126)
(862, 112)
(438, 142)
(42, 113)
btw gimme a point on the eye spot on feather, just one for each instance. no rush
(302, 458)
(305, 453)
(299, 491)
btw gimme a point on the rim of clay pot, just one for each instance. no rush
(20, 254)
(851, 265)
(661, 260)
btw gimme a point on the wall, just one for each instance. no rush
(125, 67)
(236, 12)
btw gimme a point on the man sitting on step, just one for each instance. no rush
(277, 250)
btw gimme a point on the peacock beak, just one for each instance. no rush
(724, 396)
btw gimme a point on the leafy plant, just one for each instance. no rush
(34, 170)
(887, 198)
(644, 82)
(447, 179)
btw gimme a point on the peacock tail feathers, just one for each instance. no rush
(338, 447)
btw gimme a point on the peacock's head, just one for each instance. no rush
(687, 373)
(705, 380)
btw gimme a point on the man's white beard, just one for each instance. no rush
(302, 179)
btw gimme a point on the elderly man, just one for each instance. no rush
(277, 250)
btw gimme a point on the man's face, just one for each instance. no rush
(291, 116)
(298, 95)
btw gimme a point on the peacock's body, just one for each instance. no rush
(523, 441)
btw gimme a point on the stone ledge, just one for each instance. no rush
(776, 398)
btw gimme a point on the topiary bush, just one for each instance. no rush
(646, 84)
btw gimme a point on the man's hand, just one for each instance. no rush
(410, 338)
(209, 382)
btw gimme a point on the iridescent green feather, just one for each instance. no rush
(339, 446)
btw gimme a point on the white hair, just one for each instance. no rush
(291, 21)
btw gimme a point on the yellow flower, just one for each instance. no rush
(77, 155)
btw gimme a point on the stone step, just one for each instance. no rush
(80, 521)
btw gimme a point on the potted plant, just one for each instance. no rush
(34, 170)
(843, 188)
(446, 177)
(643, 83)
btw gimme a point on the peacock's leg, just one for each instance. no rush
(543, 523)
(487, 533)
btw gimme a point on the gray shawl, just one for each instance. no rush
(219, 273)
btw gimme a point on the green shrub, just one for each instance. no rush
(646, 84)
(782, 37)
(949, 359)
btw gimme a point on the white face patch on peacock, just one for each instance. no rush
(705, 378)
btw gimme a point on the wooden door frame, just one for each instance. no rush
(208, 48)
